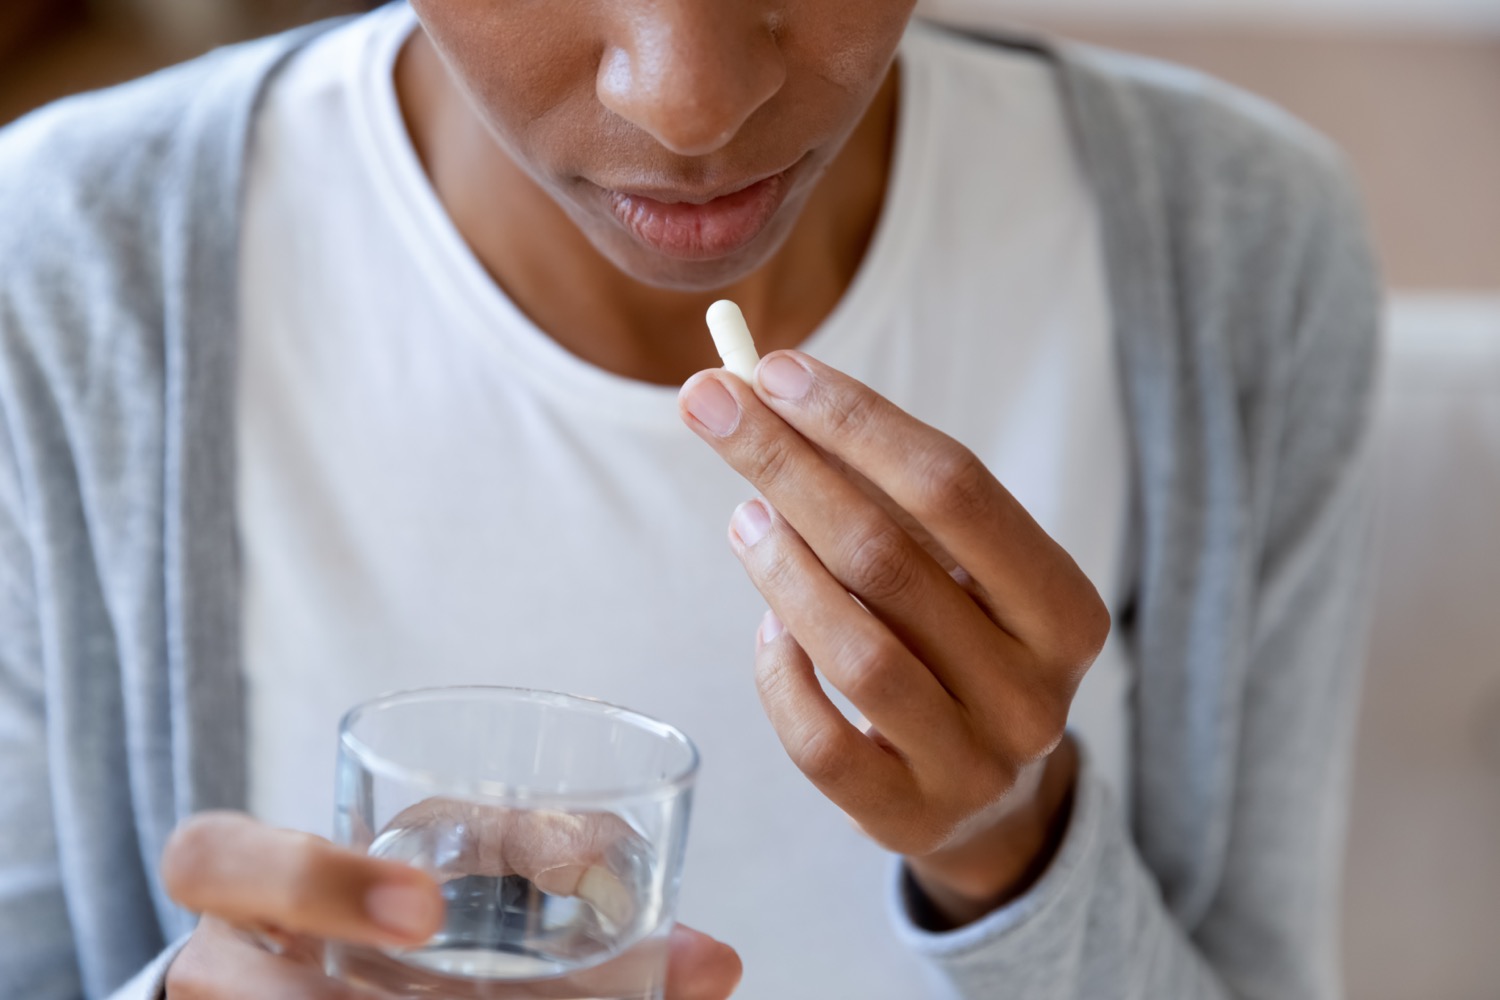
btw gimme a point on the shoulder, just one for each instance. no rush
(1248, 197)
(1272, 288)
(91, 172)
(1256, 214)
(104, 153)
(1203, 156)
(100, 191)
(1198, 130)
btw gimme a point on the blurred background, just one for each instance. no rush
(1411, 90)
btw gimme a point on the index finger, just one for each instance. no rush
(1035, 589)
(246, 873)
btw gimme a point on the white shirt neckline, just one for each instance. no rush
(504, 328)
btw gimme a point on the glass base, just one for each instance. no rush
(638, 973)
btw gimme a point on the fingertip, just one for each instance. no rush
(750, 522)
(410, 911)
(695, 379)
(791, 353)
(732, 964)
(701, 967)
(784, 375)
(708, 399)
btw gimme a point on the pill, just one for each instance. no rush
(732, 339)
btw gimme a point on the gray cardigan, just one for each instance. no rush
(1245, 309)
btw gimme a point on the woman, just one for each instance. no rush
(344, 361)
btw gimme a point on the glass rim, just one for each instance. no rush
(372, 760)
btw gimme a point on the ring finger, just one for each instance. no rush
(858, 654)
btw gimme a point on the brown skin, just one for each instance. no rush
(971, 632)
(272, 898)
(521, 111)
(972, 628)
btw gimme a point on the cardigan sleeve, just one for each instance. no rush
(1096, 924)
(36, 940)
(73, 921)
(118, 212)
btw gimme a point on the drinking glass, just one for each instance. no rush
(555, 826)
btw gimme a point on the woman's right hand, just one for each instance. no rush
(270, 898)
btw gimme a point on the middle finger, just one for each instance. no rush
(852, 648)
(859, 543)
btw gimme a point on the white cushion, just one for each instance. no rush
(1423, 892)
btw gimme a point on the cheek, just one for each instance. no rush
(849, 45)
(526, 73)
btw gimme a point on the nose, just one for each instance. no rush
(690, 72)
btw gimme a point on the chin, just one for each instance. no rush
(660, 271)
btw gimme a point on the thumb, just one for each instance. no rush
(700, 968)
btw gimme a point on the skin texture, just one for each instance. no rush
(898, 568)
(272, 898)
(522, 112)
(895, 565)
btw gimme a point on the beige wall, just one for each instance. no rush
(1417, 111)
(1419, 117)
(1451, 16)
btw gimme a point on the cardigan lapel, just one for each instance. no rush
(1187, 622)
(202, 570)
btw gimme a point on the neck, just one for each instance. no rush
(575, 294)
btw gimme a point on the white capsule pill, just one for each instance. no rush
(732, 339)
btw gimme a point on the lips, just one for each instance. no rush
(679, 226)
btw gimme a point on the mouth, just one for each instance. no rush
(700, 226)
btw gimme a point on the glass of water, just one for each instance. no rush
(555, 826)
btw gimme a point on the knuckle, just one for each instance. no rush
(769, 461)
(928, 838)
(954, 486)
(882, 566)
(920, 828)
(992, 781)
(1028, 724)
(823, 757)
(773, 677)
(1055, 720)
(849, 414)
(1094, 630)
(1043, 727)
(1083, 629)
(867, 672)
(774, 565)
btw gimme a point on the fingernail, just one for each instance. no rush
(784, 378)
(751, 521)
(604, 889)
(770, 627)
(403, 909)
(712, 406)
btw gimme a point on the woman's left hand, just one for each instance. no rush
(915, 583)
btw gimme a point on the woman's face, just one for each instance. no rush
(683, 137)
